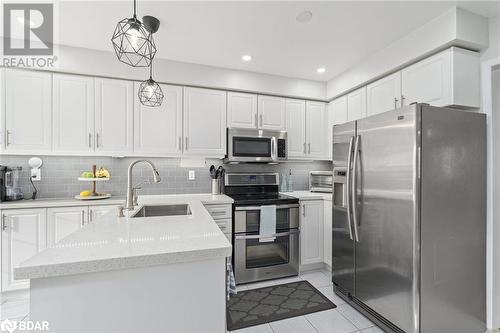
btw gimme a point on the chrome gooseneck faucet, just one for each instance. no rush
(130, 201)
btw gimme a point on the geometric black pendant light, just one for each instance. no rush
(150, 93)
(133, 42)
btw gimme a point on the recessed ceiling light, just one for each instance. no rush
(304, 16)
(246, 57)
(321, 70)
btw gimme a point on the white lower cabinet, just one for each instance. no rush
(311, 232)
(95, 212)
(63, 221)
(23, 235)
(327, 232)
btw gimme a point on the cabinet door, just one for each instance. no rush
(158, 130)
(28, 109)
(384, 94)
(204, 122)
(296, 127)
(327, 232)
(96, 212)
(23, 236)
(272, 113)
(241, 110)
(337, 114)
(316, 121)
(114, 116)
(428, 81)
(73, 113)
(63, 221)
(311, 232)
(356, 104)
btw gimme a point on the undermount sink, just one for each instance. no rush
(163, 210)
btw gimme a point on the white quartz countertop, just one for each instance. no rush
(307, 195)
(113, 243)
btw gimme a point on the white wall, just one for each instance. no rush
(105, 63)
(456, 27)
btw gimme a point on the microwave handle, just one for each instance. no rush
(274, 149)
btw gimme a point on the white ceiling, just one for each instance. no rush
(339, 35)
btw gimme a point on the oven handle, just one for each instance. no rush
(280, 234)
(243, 208)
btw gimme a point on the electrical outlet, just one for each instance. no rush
(192, 175)
(36, 174)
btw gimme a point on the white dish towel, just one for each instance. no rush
(267, 223)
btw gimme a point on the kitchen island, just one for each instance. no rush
(161, 273)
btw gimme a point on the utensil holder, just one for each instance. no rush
(215, 186)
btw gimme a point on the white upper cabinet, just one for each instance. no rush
(384, 94)
(204, 122)
(63, 221)
(241, 110)
(28, 109)
(311, 232)
(449, 78)
(73, 113)
(272, 113)
(114, 116)
(338, 110)
(158, 130)
(316, 122)
(23, 235)
(296, 127)
(356, 104)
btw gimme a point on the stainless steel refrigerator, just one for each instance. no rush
(409, 219)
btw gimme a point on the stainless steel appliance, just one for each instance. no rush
(255, 145)
(3, 169)
(256, 258)
(320, 181)
(409, 219)
(13, 190)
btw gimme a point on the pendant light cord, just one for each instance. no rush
(135, 9)
(151, 70)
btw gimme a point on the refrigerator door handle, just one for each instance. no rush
(348, 185)
(354, 196)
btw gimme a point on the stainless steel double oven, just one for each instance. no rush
(256, 257)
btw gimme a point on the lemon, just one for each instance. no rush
(85, 193)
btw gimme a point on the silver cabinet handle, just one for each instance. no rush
(4, 225)
(353, 190)
(180, 143)
(90, 140)
(97, 140)
(186, 143)
(305, 149)
(396, 103)
(7, 137)
(309, 144)
(256, 120)
(304, 210)
(82, 217)
(261, 121)
(348, 197)
(402, 100)
(91, 215)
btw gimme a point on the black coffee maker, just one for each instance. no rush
(3, 169)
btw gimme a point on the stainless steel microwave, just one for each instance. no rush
(255, 145)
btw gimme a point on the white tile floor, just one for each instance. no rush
(343, 319)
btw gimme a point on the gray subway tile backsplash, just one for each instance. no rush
(59, 174)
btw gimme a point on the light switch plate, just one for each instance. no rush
(192, 175)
